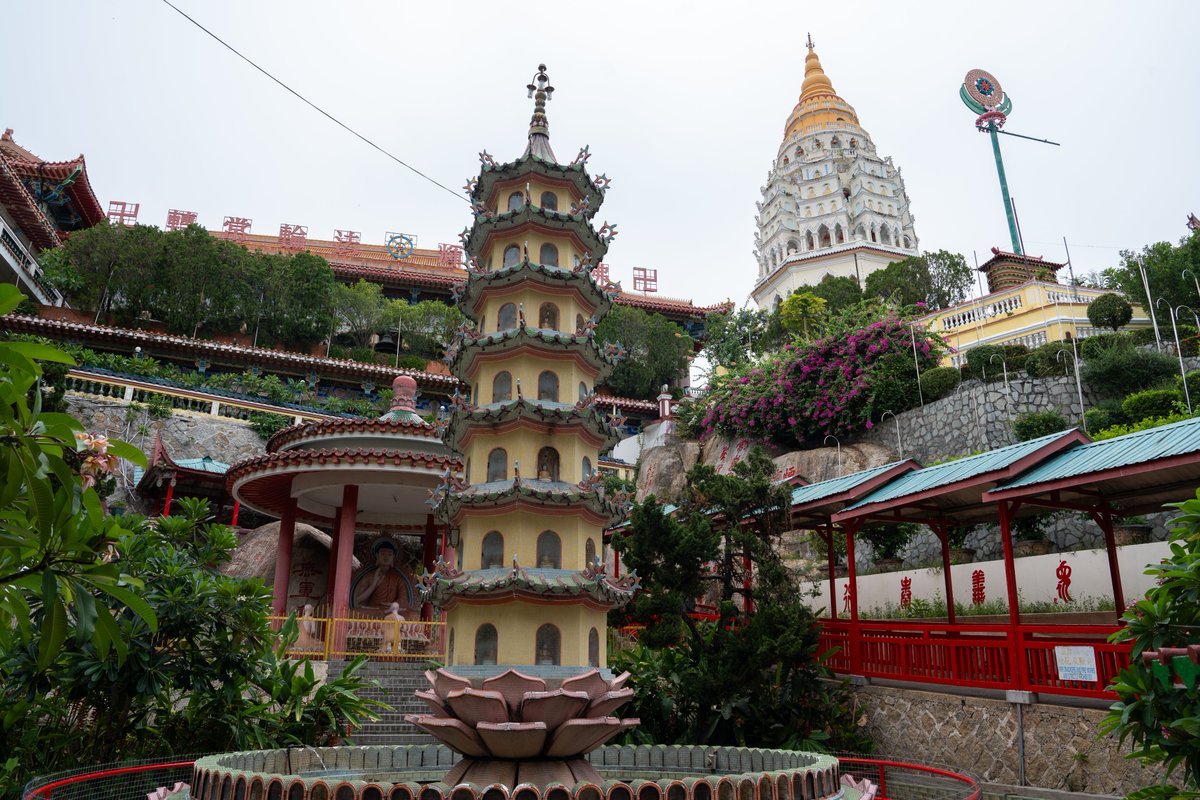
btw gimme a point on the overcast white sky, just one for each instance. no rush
(682, 103)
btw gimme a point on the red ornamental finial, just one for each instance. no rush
(404, 394)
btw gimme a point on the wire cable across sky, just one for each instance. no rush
(313, 105)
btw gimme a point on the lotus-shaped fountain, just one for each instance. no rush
(513, 729)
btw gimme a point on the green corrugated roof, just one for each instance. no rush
(922, 480)
(1176, 439)
(206, 464)
(819, 491)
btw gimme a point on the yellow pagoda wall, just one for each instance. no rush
(527, 368)
(517, 622)
(520, 530)
(493, 256)
(565, 195)
(568, 308)
(522, 444)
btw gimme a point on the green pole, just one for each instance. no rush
(1008, 208)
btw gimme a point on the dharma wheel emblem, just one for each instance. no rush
(400, 246)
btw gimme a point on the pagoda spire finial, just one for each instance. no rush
(815, 80)
(539, 127)
(810, 41)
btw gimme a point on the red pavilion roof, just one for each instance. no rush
(24, 165)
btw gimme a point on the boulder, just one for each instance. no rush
(821, 464)
(663, 471)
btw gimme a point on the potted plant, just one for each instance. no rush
(887, 541)
(1131, 530)
(956, 539)
(1029, 535)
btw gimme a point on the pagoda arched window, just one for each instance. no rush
(839, 235)
(860, 233)
(548, 316)
(486, 644)
(548, 255)
(825, 189)
(548, 646)
(823, 238)
(548, 386)
(548, 465)
(586, 469)
(501, 387)
(492, 552)
(497, 465)
(549, 201)
(885, 235)
(507, 318)
(891, 210)
(589, 551)
(512, 255)
(820, 208)
(594, 648)
(516, 201)
(450, 647)
(793, 246)
(870, 186)
(549, 550)
(873, 237)
(812, 192)
(579, 323)
(808, 211)
(907, 243)
(583, 390)
(808, 240)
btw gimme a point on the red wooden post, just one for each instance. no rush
(943, 534)
(237, 506)
(1104, 518)
(345, 556)
(331, 567)
(832, 559)
(170, 496)
(851, 528)
(748, 580)
(1016, 646)
(283, 559)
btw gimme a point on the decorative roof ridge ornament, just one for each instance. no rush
(539, 126)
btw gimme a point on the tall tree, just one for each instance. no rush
(1170, 270)
(733, 338)
(950, 278)
(838, 291)
(801, 313)
(938, 279)
(361, 311)
(658, 351)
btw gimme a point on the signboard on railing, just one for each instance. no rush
(1076, 663)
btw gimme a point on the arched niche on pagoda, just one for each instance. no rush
(517, 639)
(518, 533)
(527, 236)
(565, 193)
(499, 311)
(526, 369)
(527, 444)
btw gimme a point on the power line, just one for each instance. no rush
(311, 104)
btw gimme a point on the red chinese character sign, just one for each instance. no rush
(122, 213)
(292, 237)
(345, 242)
(449, 255)
(178, 220)
(847, 596)
(978, 588)
(237, 227)
(645, 279)
(600, 274)
(905, 592)
(1063, 573)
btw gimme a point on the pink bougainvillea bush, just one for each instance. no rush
(836, 385)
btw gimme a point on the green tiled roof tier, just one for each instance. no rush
(461, 353)
(556, 221)
(585, 414)
(529, 164)
(446, 585)
(467, 294)
(587, 495)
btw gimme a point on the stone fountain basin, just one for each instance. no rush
(414, 772)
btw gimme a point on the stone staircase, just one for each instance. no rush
(397, 682)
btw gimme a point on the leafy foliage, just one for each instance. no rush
(1134, 427)
(1121, 370)
(266, 424)
(1160, 717)
(361, 311)
(939, 280)
(888, 539)
(800, 312)
(1110, 310)
(1151, 403)
(838, 292)
(1165, 265)
(734, 338)
(1052, 358)
(939, 382)
(840, 383)
(747, 678)
(659, 351)
(1035, 424)
(191, 282)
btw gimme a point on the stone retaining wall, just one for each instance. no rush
(982, 737)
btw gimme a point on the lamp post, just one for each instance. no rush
(912, 332)
(1078, 382)
(839, 449)
(1150, 302)
(1007, 389)
(1194, 279)
(899, 444)
(1178, 350)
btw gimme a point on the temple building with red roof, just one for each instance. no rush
(41, 203)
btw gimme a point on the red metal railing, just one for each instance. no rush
(982, 656)
(898, 780)
(118, 782)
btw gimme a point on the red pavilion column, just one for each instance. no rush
(345, 556)
(428, 559)
(283, 558)
(331, 566)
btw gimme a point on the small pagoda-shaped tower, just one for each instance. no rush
(531, 593)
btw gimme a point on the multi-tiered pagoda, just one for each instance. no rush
(526, 690)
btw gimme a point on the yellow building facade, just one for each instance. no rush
(530, 592)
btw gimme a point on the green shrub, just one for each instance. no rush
(266, 424)
(1144, 336)
(1109, 310)
(984, 360)
(938, 382)
(1094, 346)
(888, 539)
(1105, 415)
(412, 362)
(1120, 371)
(1039, 423)
(158, 406)
(1044, 361)
(1193, 383)
(1146, 424)
(1150, 404)
(1015, 354)
(364, 354)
